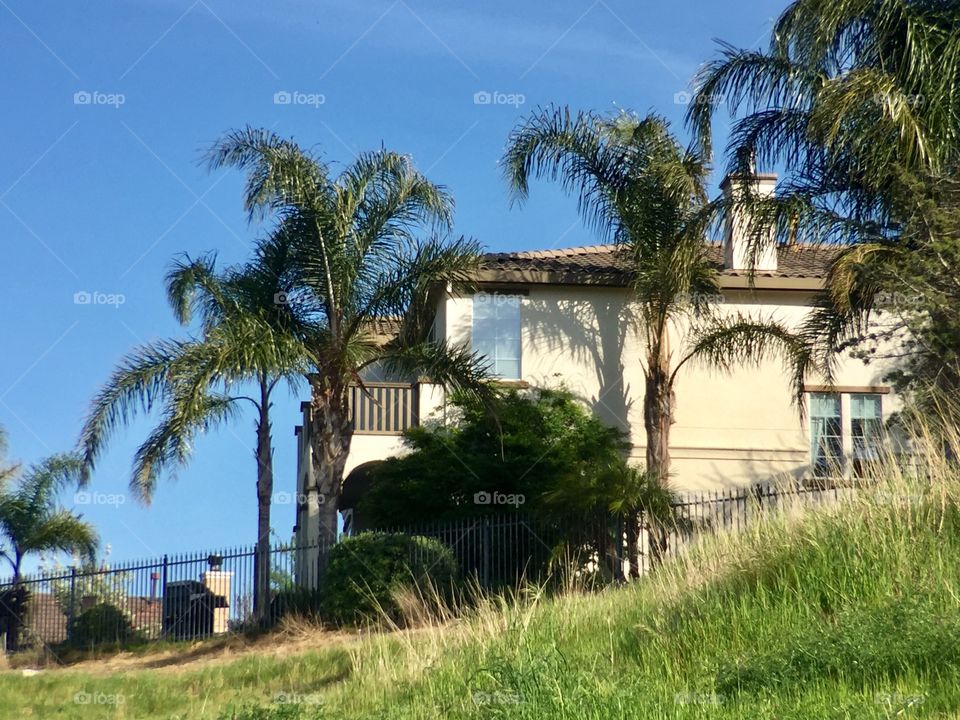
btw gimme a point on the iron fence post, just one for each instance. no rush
(485, 553)
(163, 578)
(72, 615)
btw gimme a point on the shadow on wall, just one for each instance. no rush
(585, 334)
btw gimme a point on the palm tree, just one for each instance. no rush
(361, 271)
(32, 521)
(848, 95)
(636, 186)
(245, 340)
(858, 100)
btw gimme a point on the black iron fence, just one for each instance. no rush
(175, 597)
(198, 595)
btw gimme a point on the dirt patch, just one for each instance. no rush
(293, 639)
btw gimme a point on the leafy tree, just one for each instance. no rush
(361, 273)
(636, 186)
(33, 522)
(524, 444)
(899, 303)
(245, 338)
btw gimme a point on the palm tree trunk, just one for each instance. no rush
(261, 591)
(331, 433)
(658, 404)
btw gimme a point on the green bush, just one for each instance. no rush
(102, 623)
(365, 571)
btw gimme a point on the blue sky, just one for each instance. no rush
(107, 107)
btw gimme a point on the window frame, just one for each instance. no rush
(868, 452)
(834, 462)
(498, 300)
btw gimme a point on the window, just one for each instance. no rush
(866, 424)
(845, 425)
(496, 332)
(826, 434)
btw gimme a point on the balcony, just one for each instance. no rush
(384, 408)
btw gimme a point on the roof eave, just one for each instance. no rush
(489, 276)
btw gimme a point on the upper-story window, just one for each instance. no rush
(496, 332)
(826, 434)
(844, 425)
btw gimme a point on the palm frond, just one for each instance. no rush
(737, 340)
(194, 287)
(170, 444)
(137, 385)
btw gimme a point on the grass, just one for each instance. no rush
(850, 612)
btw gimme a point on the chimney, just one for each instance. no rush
(736, 241)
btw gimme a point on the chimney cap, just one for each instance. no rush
(730, 177)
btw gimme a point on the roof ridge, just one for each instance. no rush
(611, 247)
(562, 252)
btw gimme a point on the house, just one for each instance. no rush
(553, 317)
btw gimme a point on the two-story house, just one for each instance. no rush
(563, 316)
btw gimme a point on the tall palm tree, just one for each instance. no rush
(32, 521)
(636, 186)
(858, 101)
(245, 340)
(361, 271)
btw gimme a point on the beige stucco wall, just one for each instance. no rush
(731, 429)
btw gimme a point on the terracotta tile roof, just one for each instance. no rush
(607, 262)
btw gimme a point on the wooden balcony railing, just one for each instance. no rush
(382, 408)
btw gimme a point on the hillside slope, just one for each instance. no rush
(852, 612)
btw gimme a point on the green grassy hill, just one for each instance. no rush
(852, 612)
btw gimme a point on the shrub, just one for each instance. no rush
(102, 623)
(365, 572)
